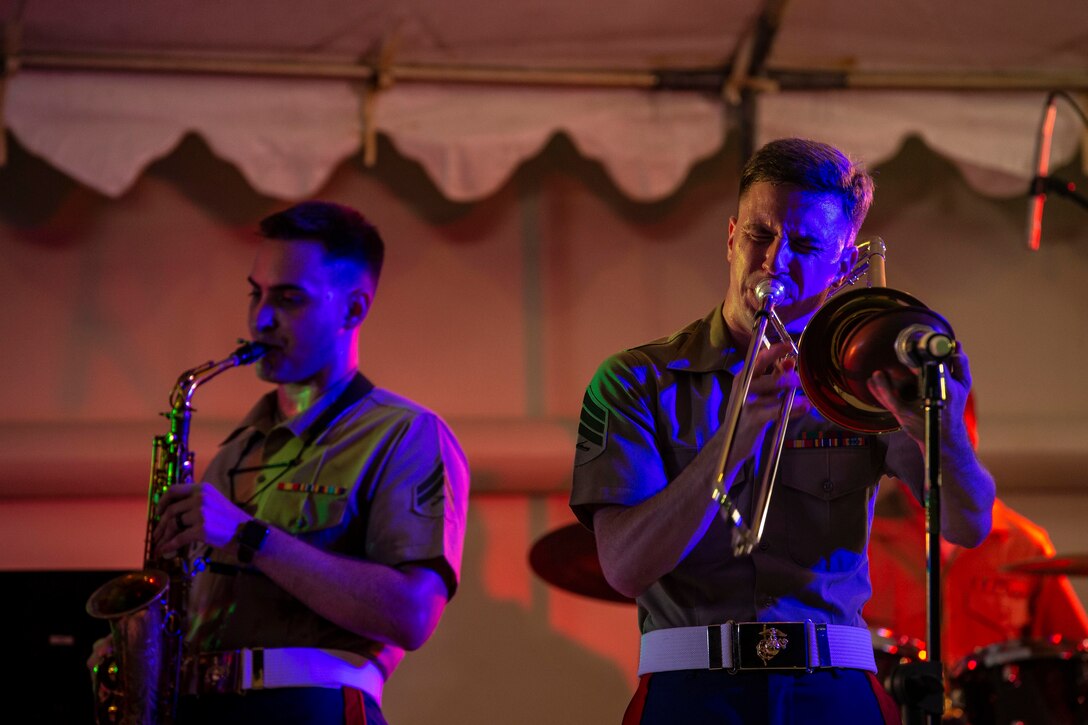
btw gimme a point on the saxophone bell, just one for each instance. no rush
(131, 685)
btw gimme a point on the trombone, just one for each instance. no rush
(853, 334)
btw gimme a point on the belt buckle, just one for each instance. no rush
(219, 673)
(770, 646)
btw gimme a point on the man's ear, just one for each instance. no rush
(729, 240)
(359, 300)
(847, 260)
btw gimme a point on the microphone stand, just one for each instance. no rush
(920, 686)
(1061, 187)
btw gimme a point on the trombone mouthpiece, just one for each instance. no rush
(770, 291)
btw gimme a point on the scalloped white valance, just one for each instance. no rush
(287, 134)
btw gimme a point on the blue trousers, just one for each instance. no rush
(716, 697)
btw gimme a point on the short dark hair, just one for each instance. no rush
(812, 166)
(343, 232)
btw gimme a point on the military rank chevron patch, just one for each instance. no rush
(592, 430)
(430, 493)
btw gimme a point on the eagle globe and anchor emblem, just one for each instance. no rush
(771, 643)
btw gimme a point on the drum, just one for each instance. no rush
(892, 651)
(1023, 681)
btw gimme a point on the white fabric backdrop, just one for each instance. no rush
(287, 135)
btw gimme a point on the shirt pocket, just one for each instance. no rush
(676, 458)
(825, 498)
(304, 501)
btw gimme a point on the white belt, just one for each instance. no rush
(766, 646)
(258, 669)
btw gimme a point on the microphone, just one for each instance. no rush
(918, 344)
(1037, 191)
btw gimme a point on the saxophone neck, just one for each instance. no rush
(188, 381)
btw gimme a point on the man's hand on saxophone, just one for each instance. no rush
(197, 513)
(101, 649)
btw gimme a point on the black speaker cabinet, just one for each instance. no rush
(48, 637)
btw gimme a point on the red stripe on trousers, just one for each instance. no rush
(354, 707)
(633, 714)
(888, 707)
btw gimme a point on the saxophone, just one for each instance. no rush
(138, 684)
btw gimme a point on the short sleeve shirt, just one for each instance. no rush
(385, 481)
(647, 413)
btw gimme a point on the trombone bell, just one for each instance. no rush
(848, 339)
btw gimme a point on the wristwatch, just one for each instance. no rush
(251, 538)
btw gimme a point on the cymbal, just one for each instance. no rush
(1069, 565)
(567, 558)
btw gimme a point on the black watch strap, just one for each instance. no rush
(251, 538)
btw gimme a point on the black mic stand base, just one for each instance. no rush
(920, 685)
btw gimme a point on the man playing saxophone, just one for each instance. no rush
(332, 518)
(774, 635)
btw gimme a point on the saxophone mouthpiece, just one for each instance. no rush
(249, 352)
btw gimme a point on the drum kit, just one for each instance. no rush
(1016, 682)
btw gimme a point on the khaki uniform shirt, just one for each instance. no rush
(385, 481)
(646, 414)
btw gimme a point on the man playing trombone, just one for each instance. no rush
(772, 632)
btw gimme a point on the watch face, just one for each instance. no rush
(253, 534)
(251, 539)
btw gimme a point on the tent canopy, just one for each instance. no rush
(287, 91)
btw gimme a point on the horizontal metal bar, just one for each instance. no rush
(694, 79)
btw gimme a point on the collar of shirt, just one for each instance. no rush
(709, 347)
(263, 417)
(1005, 520)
